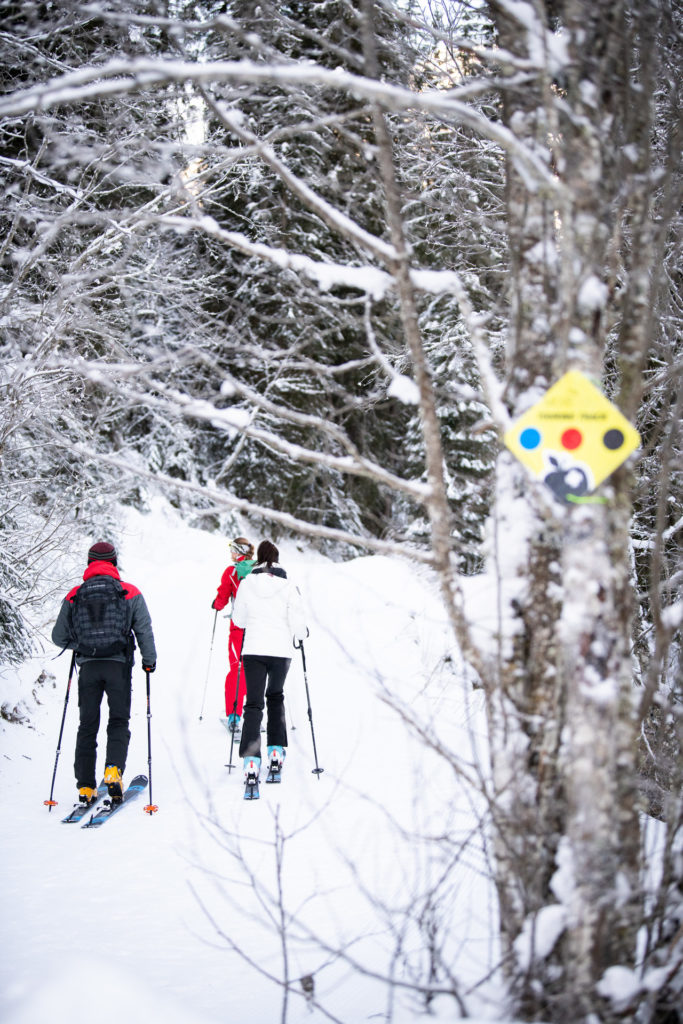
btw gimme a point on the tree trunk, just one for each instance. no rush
(568, 788)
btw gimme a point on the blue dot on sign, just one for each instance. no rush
(530, 438)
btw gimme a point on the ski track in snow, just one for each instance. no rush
(155, 917)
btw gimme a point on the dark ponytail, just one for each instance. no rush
(267, 553)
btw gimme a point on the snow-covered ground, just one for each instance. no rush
(199, 912)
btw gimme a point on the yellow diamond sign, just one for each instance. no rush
(573, 438)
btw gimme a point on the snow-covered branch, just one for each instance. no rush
(239, 421)
(332, 216)
(326, 275)
(222, 499)
(121, 76)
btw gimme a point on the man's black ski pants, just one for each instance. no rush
(96, 678)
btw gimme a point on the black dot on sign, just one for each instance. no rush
(613, 439)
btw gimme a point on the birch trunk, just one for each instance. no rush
(568, 788)
(526, 702)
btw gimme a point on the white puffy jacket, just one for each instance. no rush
(270, 610)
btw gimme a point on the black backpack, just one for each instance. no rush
(100, 618)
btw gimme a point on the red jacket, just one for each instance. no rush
(104, 569)
(227, 587)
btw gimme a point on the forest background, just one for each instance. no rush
(307, 262)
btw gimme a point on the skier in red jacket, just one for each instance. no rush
(243, 562)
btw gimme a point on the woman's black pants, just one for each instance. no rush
(265, 676)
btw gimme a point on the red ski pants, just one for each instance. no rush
(234, 649)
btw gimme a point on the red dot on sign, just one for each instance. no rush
(571, 439)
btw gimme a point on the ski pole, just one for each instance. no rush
(53, 803)
(315, 771)
(208, 667)
(230, 765)
(151, 807)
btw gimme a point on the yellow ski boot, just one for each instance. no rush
(112, 779)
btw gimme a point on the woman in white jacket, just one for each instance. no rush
(269, 608)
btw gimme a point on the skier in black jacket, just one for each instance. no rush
(97, 620)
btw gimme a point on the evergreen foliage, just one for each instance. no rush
(214, 315)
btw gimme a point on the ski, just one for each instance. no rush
(251, 791)
(275, 766)
(231, 727)
(109, 807)
(79, 810)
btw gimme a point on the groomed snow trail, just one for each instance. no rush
(158, 918)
